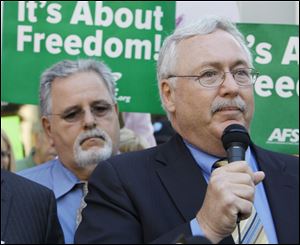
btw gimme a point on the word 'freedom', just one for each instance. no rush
(97, 43)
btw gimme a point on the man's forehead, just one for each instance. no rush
(216, 47)
(78, 78)
(79, 89)
(81, 81)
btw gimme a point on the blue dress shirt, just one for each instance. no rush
(206, 161)
(63, 182)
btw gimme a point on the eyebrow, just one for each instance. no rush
(241, 62)
(69, 109)
(93, 103)
(100, 102)
(219, 64)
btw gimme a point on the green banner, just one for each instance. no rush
(276, 57)
(127, 35)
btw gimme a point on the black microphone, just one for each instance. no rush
(235, 140)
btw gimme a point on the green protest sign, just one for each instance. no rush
(127, 35)
(276, 56)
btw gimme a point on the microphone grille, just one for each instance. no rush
(235, 133)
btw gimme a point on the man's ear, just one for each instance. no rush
(168, 95)
(48, 130)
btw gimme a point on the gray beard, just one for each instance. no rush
(90, 157)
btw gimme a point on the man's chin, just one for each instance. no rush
(88, 160)
(95, 148)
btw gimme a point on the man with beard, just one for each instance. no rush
(80, 117)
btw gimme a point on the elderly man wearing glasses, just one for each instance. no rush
(163, 194)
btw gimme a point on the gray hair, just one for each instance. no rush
(67, 68)
(167, 56)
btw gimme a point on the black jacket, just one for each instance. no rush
(28, 212)
(151, 196)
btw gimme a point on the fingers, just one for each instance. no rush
(230, 194)
(235, 184)
(244, 192)
(258, 177)
(230, 177)
(239, 168)
(234, 198)
(245, 209)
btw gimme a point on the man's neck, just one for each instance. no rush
(82, 173)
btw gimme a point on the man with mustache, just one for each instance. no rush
(80, 116)
(205, 77)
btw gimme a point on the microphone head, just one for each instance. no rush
(235, 134)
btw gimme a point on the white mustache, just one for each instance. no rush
(220, 104)
(94, 133)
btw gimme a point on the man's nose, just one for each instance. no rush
(229, 85)
(89, 119)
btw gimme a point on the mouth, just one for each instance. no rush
(92, 138)
(229, 108)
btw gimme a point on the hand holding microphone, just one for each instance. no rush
(235, 141)
(230, 191)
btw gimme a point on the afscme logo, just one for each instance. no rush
(284, 136)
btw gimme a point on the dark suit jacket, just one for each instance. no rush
(28, 212)
(151, 196)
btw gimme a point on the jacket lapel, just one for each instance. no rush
(182, 177)
(280, 188)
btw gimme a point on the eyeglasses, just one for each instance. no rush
(213, 78)
(76, 114)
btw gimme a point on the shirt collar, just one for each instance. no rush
(205, 160)
(64, 180)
